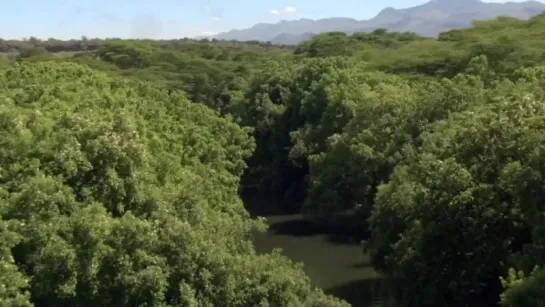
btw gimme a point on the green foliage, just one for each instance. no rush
(524, 291)
(508, 43)
(121, 187)
(34, 52)
(292, 110)
(440, 166)
(13, 282)
(388, 117)
(116, 193)
(470, 182)
(448, 170)
(339, 43)
(209, 75)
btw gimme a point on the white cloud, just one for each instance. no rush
(290, 10)
(284, 11)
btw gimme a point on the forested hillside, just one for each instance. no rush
(124, 167)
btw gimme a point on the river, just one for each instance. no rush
(333, 261)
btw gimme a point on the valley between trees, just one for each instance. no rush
(132, 173)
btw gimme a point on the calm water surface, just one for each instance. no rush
(334, 262)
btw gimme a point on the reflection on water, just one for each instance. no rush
(333, 261)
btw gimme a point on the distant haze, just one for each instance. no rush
(428, 19)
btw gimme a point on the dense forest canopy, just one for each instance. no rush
(122, 163)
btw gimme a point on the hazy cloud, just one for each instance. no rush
(284, 11)
(215, 13)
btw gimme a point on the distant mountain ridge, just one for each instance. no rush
(428, 19)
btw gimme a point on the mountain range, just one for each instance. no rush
(428, 19)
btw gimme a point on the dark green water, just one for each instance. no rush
(333, 261)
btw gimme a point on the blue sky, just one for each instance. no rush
(167, 18)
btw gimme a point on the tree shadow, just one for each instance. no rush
(339, 233)
(258, 204)
(362, 265)
(297, 228)
(367, 292)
